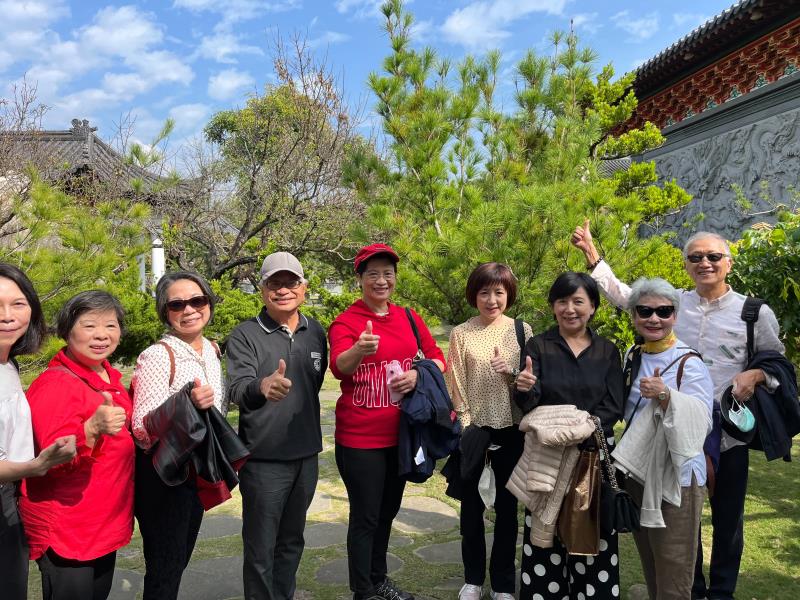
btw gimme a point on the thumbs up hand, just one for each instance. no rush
(582, 239)
(499, 364)
(526, 379)
(108, 418)
(652, 387)
(367, 342)
(202, 395)
(276, 387)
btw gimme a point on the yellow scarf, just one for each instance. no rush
(658, 346)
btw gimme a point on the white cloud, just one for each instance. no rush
(123, 31)
(327, 39)
(484, 24)
(236, 11)
(188, 117)
(586, 22)
(639, 29)
(32, 12)
(25, 34)
(359, 9)
(229, 83)
(421, 31)
(689, 21)
(223, 46)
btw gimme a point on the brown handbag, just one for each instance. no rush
(579, 519)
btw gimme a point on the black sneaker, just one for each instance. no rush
(388, 591)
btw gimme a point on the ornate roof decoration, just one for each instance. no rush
(720, 35)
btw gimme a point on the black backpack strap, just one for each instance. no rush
(750, 311)
(519, 329)
(633, 361)
(420, 353)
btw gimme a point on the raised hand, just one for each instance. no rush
(499, 364)
(367, 342)
(276, 387)
(582, 239)
(526, 379)
(202, 395)
(59, 452)
(108, 419)
(651, 387)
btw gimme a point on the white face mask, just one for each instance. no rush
(741, 416)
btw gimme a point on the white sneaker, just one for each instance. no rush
(501, 596)
(470, 592)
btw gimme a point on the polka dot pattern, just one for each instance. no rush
(552, 574)
(487, 393)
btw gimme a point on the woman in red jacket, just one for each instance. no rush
(79, 514)
(373, 342)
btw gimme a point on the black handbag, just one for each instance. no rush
(618, 511)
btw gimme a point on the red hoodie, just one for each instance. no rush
(366, 417)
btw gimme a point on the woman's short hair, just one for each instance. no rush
(33, 337)
(162, 290)
(88, 301)
(654, 286)
(491, 273)
(570, 282)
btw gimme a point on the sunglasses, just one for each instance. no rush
(711, 256)
(279, 285)
(197, 303)
(663, 312)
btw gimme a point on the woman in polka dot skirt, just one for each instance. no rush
(573, 365)
(483, 361)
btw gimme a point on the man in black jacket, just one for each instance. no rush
(276, 364)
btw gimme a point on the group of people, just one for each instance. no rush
(77, 449)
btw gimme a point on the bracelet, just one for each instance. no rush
(460, 410)
(595, 263)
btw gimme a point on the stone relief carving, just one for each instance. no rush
(763, 153)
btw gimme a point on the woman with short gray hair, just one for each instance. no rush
(668, 415)
(169, 516)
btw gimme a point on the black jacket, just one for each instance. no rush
(198, 442)
(777, 414)
(428, 427)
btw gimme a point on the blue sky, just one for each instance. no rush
(190, 58)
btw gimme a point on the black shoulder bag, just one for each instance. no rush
(420, 354)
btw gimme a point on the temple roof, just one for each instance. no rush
(78, 151)
(717, 37)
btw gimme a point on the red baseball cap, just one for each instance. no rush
(372, 250)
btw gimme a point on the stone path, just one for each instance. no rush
(424, 554)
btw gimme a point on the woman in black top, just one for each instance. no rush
(573, 365)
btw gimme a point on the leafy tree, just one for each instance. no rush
(767, 265)
(271, 177)
(467, 182)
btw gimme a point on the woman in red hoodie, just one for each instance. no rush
(373, 342)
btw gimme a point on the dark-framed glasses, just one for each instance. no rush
(663, 312)
(277, 284)
(197, 302)
(697, 257)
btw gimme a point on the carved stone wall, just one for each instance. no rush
(755, 146)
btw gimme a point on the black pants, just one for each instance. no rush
(502, 571)
(169, 519)
(375, 492)
(65, 579)
(275, 498)
(727, 520)
(13, 546)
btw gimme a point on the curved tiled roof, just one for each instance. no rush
(726, 31)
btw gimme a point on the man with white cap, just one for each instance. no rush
(276, 363)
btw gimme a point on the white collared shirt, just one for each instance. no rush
(150, 381)
(714, 328)
(16, 433)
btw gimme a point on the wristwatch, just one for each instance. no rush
(514, 373)
(663, 395)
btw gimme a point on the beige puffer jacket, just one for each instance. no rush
(544, 470)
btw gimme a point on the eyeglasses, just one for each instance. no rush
(663, 312)
(276, 285)
(711, 256)
(196, 303)
(375, 275)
